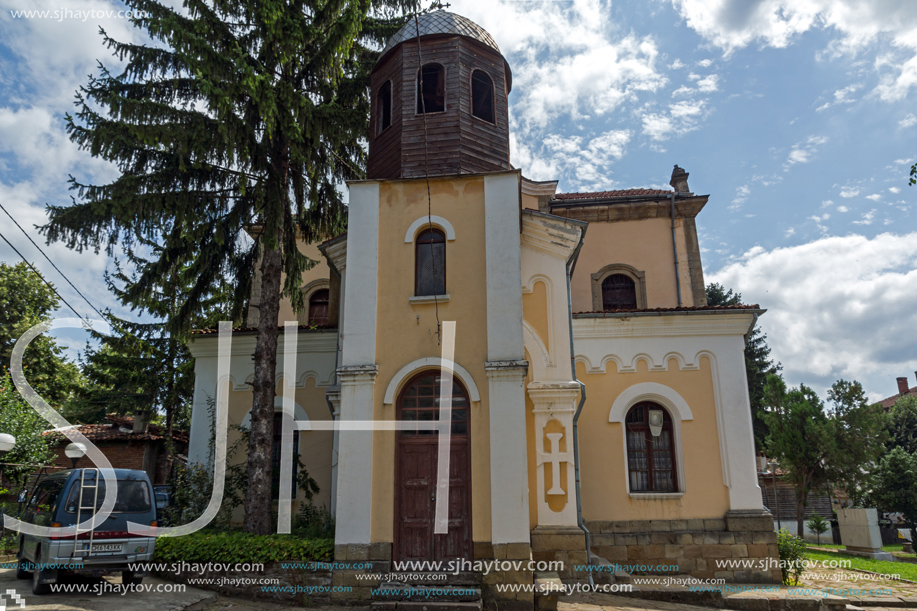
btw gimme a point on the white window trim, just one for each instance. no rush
(430, 363)
(424, 222)
(678, 410)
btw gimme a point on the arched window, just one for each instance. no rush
(384, 106)
(420, 402)
(430, 263)
(619, 293)
(482, 96)
(431, 89)
(318, 308)
(650, 449)
(275, 457)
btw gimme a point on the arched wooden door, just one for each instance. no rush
(415, 474)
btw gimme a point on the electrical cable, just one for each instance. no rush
(101, 316)
(50, 286)
(426, 168)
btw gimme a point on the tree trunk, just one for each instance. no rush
(800, 511)
(261, 441)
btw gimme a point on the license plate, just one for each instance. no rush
(106, 547)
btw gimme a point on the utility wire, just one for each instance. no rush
(426, 168)
(102, 316)
(50, 286)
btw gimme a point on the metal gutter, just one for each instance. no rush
(571, 263)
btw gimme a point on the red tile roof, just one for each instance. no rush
(612, 194)
(889, 401)
(120, 428)
(673, 310)
(254, 329)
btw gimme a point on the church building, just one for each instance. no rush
(597, 402)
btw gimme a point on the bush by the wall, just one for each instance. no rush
(238, 546)
(792, 551)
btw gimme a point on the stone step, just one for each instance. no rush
(465, 578)
(398, 591)
(426, 606)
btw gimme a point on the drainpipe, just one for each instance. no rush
(579, 409)
(675, 251)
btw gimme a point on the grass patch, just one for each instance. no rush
(905, 570)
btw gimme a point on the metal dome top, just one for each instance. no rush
(440, 22)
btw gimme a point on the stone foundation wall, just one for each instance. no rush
(376, 556)
(511, 553)
(566, 545)
(697, 547)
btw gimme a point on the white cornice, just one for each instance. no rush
(336, 253)
(722, 323)
(550, 234)
(538, 189)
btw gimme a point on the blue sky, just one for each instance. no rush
(796, 116)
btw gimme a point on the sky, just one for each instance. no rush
(795, 116)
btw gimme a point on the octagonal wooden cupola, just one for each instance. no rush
(461, 92)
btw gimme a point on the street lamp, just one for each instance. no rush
(7, 443)
(74, 452)
(773, 465)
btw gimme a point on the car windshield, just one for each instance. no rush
(133, 497)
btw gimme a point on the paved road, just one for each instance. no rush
(107, 601)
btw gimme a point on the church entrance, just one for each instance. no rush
(415, 475)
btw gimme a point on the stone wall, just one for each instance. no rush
(697, 547)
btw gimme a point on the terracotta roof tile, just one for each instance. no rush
(612, 194)
(889, 401)
(115, 430)
(254, 329)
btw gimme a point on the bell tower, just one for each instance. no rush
(448, 88)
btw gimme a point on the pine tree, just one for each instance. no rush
(245, 115)
(758, 364)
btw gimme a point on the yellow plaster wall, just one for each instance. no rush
(535, 311)
(603, 467)
(530, 202)
(314, 446)
(645, 244)
(407, 332)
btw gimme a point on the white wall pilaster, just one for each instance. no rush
(555, 402)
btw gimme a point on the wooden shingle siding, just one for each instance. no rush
(456, 142)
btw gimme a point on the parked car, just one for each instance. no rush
(70, 497)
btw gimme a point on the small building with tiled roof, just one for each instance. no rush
(128, 444)
(903, 391)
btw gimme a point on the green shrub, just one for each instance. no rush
(313, 522)
(238, 546)
(792, 551)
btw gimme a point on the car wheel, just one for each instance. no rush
(21, 572)
(39, 589)
(129, 578)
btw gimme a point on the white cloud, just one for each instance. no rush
(789, 232)
(843, 209)
(909, 121)
(849, 192)
(679, 119)
(841, 96)
(741, 197)
(874, 197)
(867, 218)
(585, 161)
(705, 63)
(855, 25)
(802, 152)
(837, 306)
(894, 189)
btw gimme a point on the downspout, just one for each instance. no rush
(571, 262)
(675, 252)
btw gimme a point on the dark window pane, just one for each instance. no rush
(650, 458)
(482, 96)
(275, 457)
(619, 293)
(430, 264)
(385, 105)
(431, 89)
(318, 308)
